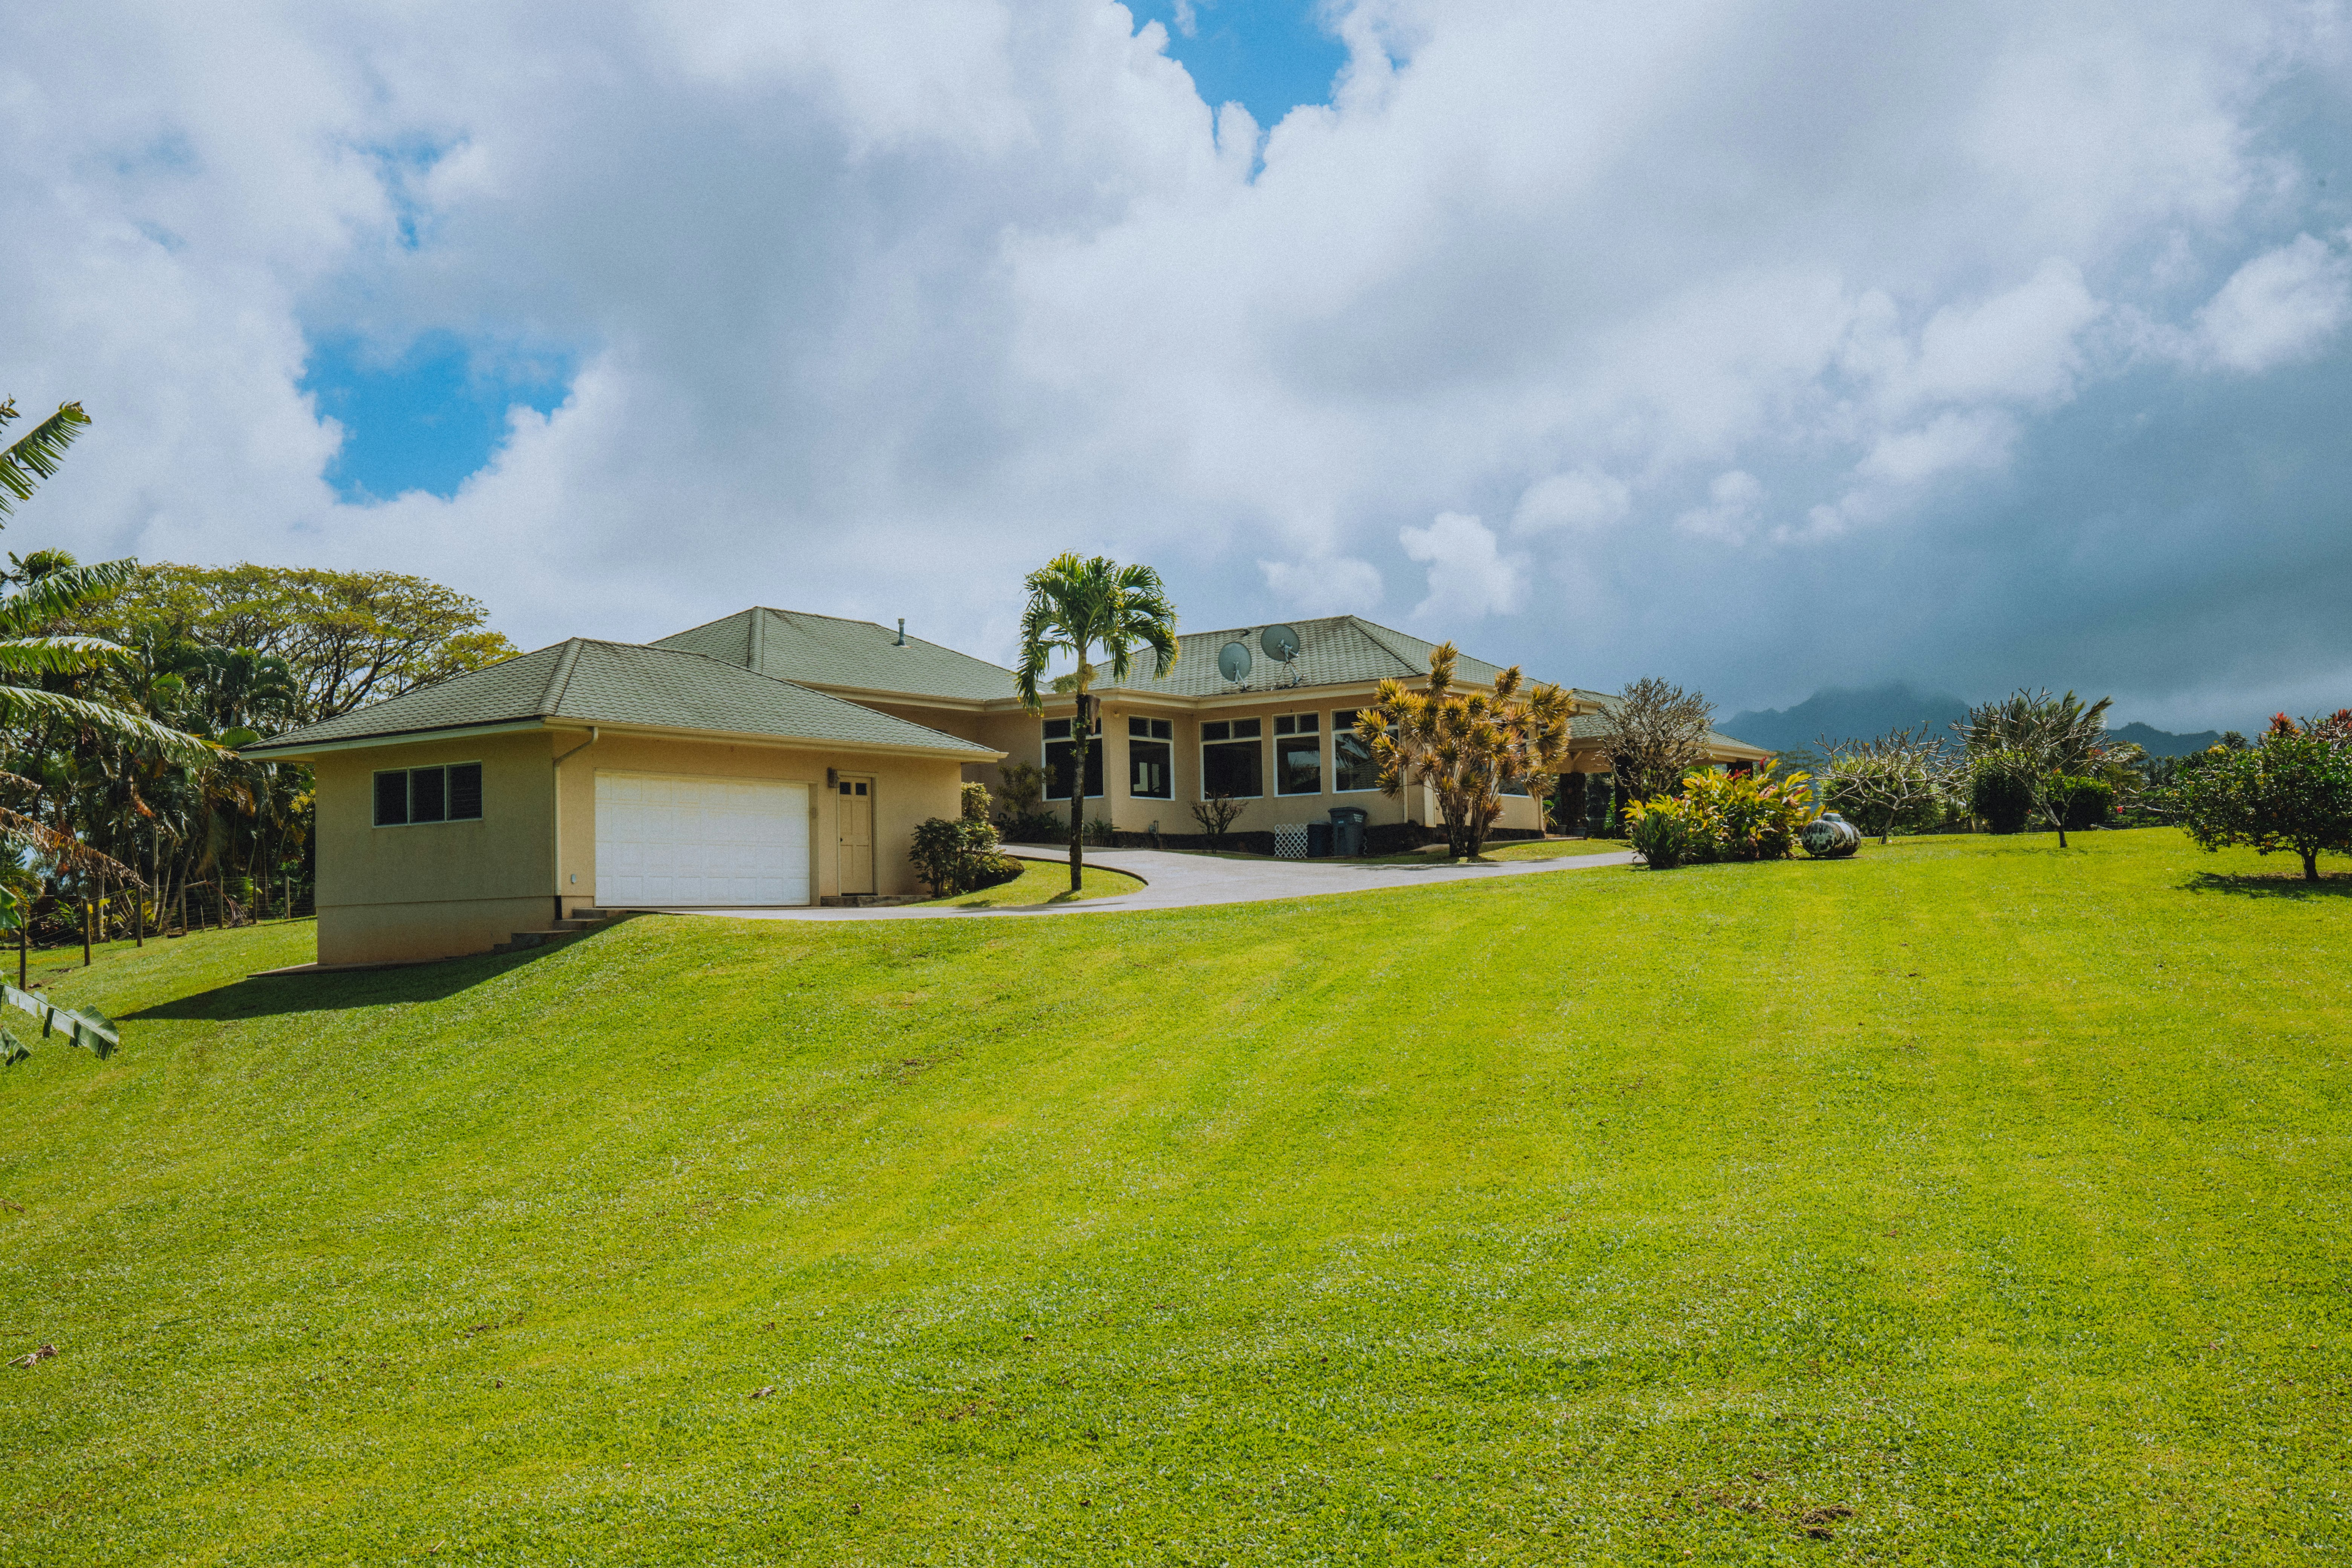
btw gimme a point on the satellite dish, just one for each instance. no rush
(1233, 661)
(1281, 643)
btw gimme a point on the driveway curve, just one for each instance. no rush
(1174, 881)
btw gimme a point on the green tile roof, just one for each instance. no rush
(1335, 650)
(624, 683)
(1599, 725)
(825, 650)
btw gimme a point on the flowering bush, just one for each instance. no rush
(1720, 817)
(2291, 791)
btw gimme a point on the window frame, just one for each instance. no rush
(1158, 744)
(1295, 735)
(1348, 730)
(1233, 743)
(408, 795)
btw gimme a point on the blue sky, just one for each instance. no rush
(427, 419)
(1268, 56)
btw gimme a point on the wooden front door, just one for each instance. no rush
(853, 830)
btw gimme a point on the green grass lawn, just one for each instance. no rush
(1963, 1201)
(1042, 883)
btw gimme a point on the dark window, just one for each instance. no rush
(861, 789)
(392, 798)
(427, 799)
(465, 791)
(408, 795)
(1151, 759)
(1351, 761)
(1297, 754)
(1061, 753)
(1232, 762)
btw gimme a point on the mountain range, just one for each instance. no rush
(1840, 713)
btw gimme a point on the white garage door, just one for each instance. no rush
(664, 840)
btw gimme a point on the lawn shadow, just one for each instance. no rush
(2272, 885)
(330, 990)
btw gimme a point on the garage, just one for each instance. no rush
(666, 840)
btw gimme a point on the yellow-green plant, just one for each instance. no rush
(1722, 816)
(1467, 747)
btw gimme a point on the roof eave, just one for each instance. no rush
(269, 751)
(963, 753)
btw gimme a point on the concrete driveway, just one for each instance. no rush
(1173, 882)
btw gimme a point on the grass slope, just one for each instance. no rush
(1962, 1202)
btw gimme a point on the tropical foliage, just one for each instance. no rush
(1717, 816)
(1466, 747)
(2039, 741)
(1076, 609)
(2293, 792)
(960, 855)
(1904, 779)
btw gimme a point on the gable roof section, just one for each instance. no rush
(1334, 650)
(624, 684)
(827, 650)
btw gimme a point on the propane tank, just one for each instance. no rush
(1830, 837)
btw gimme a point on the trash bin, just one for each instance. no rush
(1348, 829)
(1319, 840)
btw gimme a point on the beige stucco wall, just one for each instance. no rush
(390, 894)
(905, 790)
(438, 890)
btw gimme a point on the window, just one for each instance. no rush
(1352, 767)
(1151, 759)
(1232, 758)
(1298, 753)
(853, 786)
(409, 796)
(1060, 755)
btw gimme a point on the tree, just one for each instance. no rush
(35, 455)
(1216, 814)
(1465, 747)
(2290, 791)
(346, 639)
(1660, 732)
(1076, 607)
(2046, 739)
(1879, 784)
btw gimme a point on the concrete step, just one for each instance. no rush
(578, 922)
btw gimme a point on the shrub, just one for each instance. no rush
(1999, 791)
(977, 806)
(2081, 802)
(1736, 817)
(957, 857)
(1023, 786)
(1036, 828)
(1666, 832)
(2292, 791)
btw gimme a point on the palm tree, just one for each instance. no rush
(35, 453)
(2040, 737)
(1075, 607)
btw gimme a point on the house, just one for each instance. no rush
(774, 757)
(1585, 797)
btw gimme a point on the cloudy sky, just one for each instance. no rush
(1764, 346)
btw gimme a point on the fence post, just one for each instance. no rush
(86, 911)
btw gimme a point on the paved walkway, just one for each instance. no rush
(1173, 882)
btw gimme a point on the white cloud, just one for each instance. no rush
(1469, 577)
(1328, 585)
(1729, 514)
(876, 306)
(1582, 500)
(2282, 307)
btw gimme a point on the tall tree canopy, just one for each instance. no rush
(346, 639)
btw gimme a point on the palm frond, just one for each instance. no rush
(35, 455)
(21, 704)
(62, 592)
(23, 657)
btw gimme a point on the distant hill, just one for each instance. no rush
(2164, 743)
(1842, 714)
